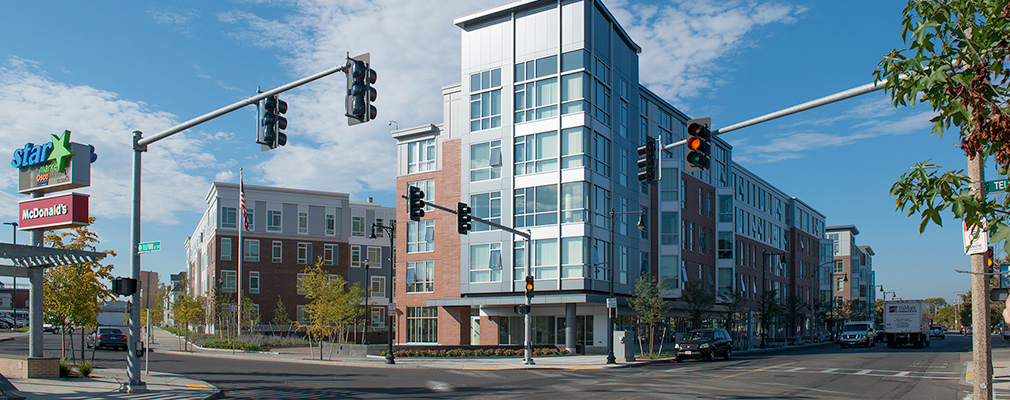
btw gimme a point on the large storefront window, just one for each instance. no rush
(422, 324)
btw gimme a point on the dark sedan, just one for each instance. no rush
(111, 338)
(705, 344)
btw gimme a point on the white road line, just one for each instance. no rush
(863, 372)
(903, 373)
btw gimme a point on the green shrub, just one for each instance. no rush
(238, 345)
(495, 352)
(64, 368)
(85, 368)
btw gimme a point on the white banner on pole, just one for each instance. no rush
(976, 241)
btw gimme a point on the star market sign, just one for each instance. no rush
(58, 165)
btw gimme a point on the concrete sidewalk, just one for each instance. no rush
(106, 383)
(1000, 366)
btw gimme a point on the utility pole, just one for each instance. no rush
(981, 340)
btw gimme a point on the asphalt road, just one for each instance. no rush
(819, 372)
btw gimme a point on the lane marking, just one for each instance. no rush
(863, 372)
(197, 386)
(757, 370)
(903, 373)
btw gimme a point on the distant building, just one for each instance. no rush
(288, 230)
(852, 277)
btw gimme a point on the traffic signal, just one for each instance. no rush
(647, 160)
(272, 123)
(529, 286)
(415, 201)
(360, 93)
(989, 261)
(522, 309)
(463, 218)
(699, 144)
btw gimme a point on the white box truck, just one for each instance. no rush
(906, 322)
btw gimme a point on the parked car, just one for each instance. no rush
(50, 328)
(858, 332)
(107, 337)
(880, 333)
(966, 330)
(936, 331)
(705, 344)
(6, 324)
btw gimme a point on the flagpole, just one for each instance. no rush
(241, 255)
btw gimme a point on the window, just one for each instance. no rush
(725, 245)
(331, 225)
(303, 315)
(601, 259)
(545, 259)
(379, 232)
(669, 234)
(303, 222)
(420, 276)
(601, 152)
(251, 250)
(356, 256)
(519, 260)
(572, 257)
(225, 249)
(536, 89)
(575, 86)
(228, 217)
(254, 282)
(276, 252)
(485, 263)
(485, 100)
(486, 206)
(378, 286)
(298, 283)
(725, 208)
(536, 206)
(574, 143)
(330, 253)
(601, 206)
(421, 156)
(420, 236)
(378, 316)
(536, 153)
(422, 324)
(574, 202)
(485, 161)
(229, 281)
(358, 226)
(273, 220)
(304, 252)
(840, 286)
(601, 92)
(374, 257)
(670, 188)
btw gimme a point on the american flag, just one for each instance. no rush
(241, 204)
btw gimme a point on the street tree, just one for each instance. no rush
(651, 306)
(332, 306)
(699, 302)
(188, 310)
(735, 303)
(770, 308)
(74, 291)
(956, 60)
(793, 309)
(281, 315)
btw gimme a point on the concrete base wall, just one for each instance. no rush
(30, 367)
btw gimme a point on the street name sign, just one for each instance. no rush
(148, 247)
(998, 185)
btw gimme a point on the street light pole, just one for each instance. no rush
(390, 308)
(611, 359)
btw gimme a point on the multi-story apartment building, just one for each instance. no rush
(556, 112)
(852, 277)
(288, 230)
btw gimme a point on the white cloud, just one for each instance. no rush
(32, 106)
(682, 42)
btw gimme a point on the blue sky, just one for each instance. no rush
(105, 71)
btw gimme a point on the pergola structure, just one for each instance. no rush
(29, 262)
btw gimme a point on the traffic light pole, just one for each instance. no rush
(135, 383)
(528, 342)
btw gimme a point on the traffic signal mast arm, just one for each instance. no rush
(845, 94)
(142, 143)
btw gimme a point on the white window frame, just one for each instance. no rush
(304, 254)
(254, 276)
(229, 280)
(271, 216)
(226, 249)
(251, 250)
